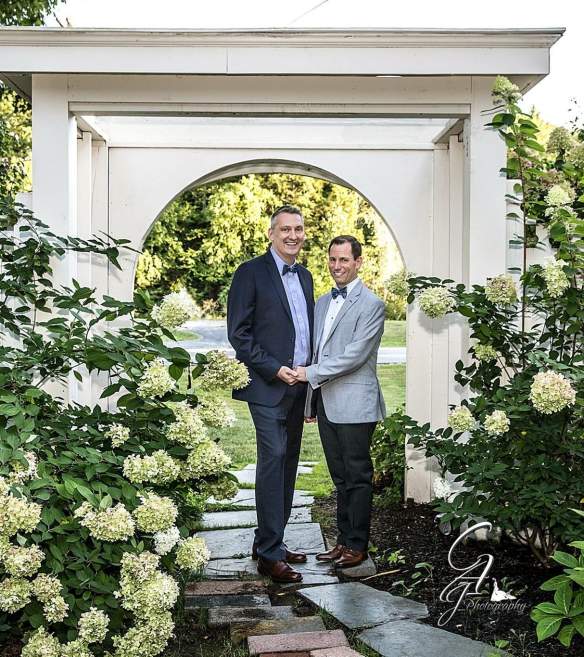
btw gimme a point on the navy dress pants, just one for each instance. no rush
(278, 436)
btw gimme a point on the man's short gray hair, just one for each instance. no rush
(288, 209)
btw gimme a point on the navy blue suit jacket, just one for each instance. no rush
(260, 327)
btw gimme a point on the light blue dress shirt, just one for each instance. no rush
(299, 310)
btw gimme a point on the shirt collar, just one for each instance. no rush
(350, 287)
(279, 262)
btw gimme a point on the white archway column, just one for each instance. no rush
(54, 172)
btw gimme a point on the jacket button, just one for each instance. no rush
(290, 360)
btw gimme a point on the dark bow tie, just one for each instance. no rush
(293, 269)
(343, 292)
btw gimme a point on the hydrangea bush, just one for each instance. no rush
(96, 505)
(515, 447)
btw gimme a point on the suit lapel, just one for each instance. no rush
(277, 281)
(349, 301)
(319, 320)
(309, 297)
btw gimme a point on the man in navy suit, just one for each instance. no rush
(270, 312)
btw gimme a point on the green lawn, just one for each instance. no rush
(394, 334)
(239, 440)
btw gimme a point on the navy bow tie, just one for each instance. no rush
(293, 269)
(343, 292)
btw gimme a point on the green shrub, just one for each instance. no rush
(389, 459)
(95, 532)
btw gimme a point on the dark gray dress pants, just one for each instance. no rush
(346, 448)
(278, 436)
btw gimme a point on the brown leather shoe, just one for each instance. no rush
(291, 557)
(278, 571)
(350, 558)
(331, 555)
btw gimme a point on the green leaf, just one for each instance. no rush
(548, 627)
(565, 559)
(563, 597)
(566, 635)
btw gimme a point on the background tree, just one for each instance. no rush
(201, 238)
(25, 12)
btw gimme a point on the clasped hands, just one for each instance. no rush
(292, 376)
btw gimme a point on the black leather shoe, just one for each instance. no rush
(278, 571)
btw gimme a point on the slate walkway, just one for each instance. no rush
(237, 598)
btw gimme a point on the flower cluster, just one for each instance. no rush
(93, 626)
(497, 423)
(560, 195)
(192, 554)
(146, 639)
(42, 644)
(397, 283)
(555, 278)
(216, 413)
(206, 460)
(551, 392)
(21, 473)
(16, 513)
(188, 428)
(576, 155)
(223, 488)
(166, 540)
(222, 371)
(110, 525)
(118, 434)
(461, 419)
(175, 309)
(156, 468)
(501, 290)
(559, 140)
(442, 488)
(156, 380)
(47, 589)
(22, 561)
(505, 90)
(14, 594)
(436, 301)
(155, 513)
(485, 353)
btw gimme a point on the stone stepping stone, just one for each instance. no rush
(357, 605)
(303, 641)
(285, 654)
(365, 569)
(208, 601)
(313, 571)
(221, 519)
(340, 651)
(238, 632)
(231, 543)
(226, 587)
(410, 639)
(246, 497)
(248, 474)
(224, 616)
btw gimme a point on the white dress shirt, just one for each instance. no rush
(333, 310)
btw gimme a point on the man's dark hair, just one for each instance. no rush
(288, 209)
(356, 248)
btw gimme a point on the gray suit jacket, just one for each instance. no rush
(347, 371)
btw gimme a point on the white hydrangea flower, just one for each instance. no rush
(175, 309)
(192, 554)
(504, 89)
(45, 587)
(145, 639)
(76, 648)
(156, 380)
(157, 468)
(551, 392)
(216, 413)
(206, 460)
(165, 541)
(188, 428)
(501, 290)
(442, 488)
(560, 195)
(224, 488)
(138, 568)
(155, 513)
(436, 302)
(55, 609)
(18, 515)
(41, 644)
(93, 626)
(14, 594)
(110, 525)
(397, 283)
(118, 434)
(461, 419)
(497, 423)
(556, 281)
(159, 593)
(485, 352)
(221, 371)
(22, 561)
(21, 473)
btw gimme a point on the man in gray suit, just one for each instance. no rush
(345, 395)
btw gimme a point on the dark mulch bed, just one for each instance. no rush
(412, 529)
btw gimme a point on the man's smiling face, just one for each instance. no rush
(287, 236)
